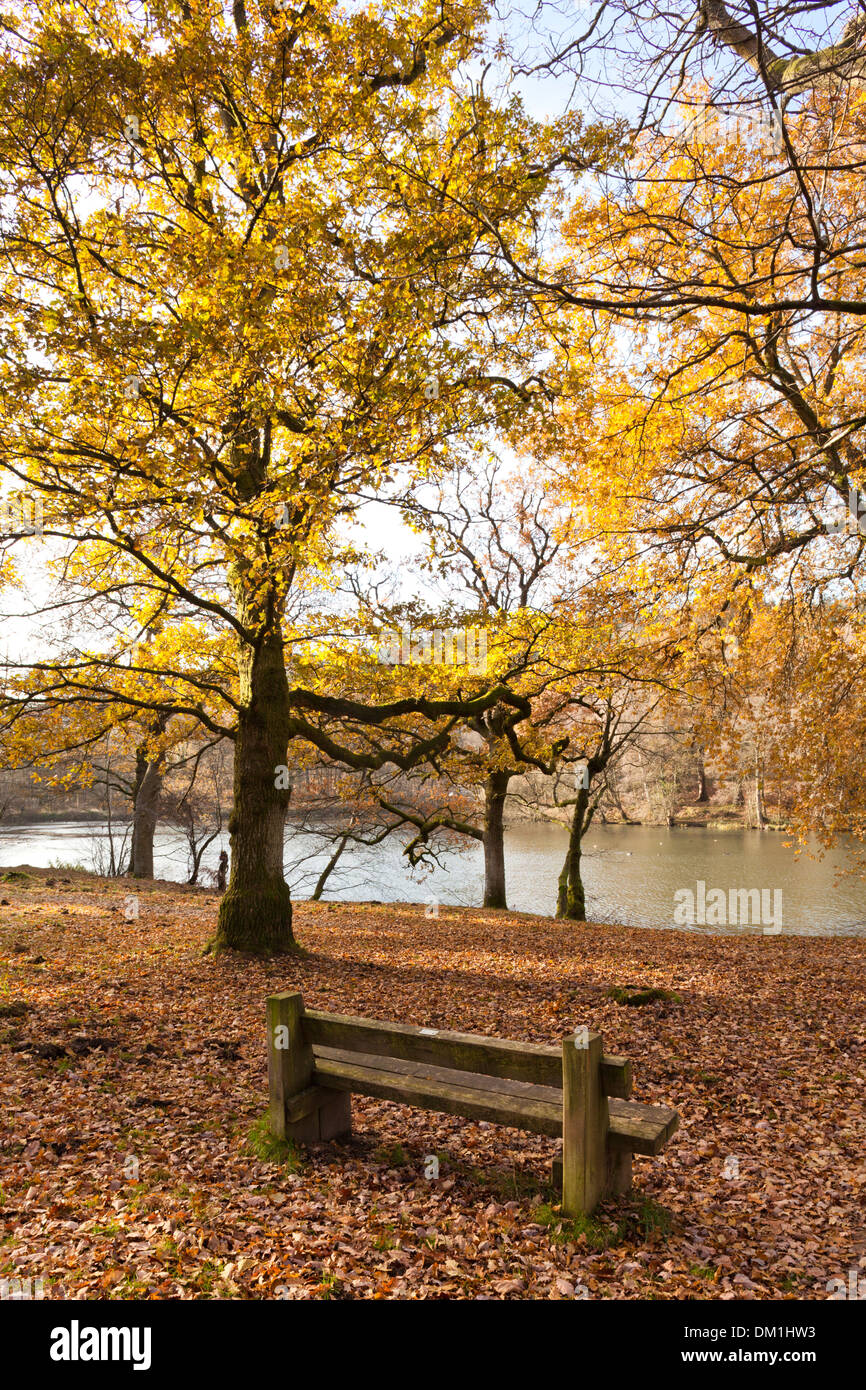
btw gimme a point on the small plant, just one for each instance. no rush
(331, 1286)
(128, 1288)
(167, 1250)
(207, 1279)
(385, 1239)
(107, 1228)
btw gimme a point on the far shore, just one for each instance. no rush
(690, 818)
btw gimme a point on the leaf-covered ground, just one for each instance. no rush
(133, 1084)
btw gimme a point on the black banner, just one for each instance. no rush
(86, 1342)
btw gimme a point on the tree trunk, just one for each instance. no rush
(148, 785)
(495, 791)
(196, 853)
(112, 863)
(703, 793)
(760, 819)
(617, 801)
(570, 900)
(256, 912)
(332, 863)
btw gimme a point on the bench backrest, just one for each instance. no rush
(514, 1061)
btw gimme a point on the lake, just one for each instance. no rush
(631, 873)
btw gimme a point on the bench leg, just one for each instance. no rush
(556, 1172)
(321, 1114)
(318, 1113)
(584, 1125)
(305, 1131)
(335, 1117)
(290, 1066)
(619, 1175)
(619, 1178)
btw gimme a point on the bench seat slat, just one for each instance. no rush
(640, 1129)
(477, 1081)
(440, 1088)
(634, 1127)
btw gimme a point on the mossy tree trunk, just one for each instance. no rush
(571, 900)
(256, 910)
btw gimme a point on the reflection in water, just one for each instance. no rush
(631, 872)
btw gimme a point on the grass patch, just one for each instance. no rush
(208, 1280)
(648, 1219)
(262, 1144)
(511, 1184)
(644, 1220)
(394, 1155)
(598, 1233)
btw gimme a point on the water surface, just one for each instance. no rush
(631, 873)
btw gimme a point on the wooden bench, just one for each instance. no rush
(316, 1060)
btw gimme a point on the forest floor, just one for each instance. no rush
(134, 1162)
